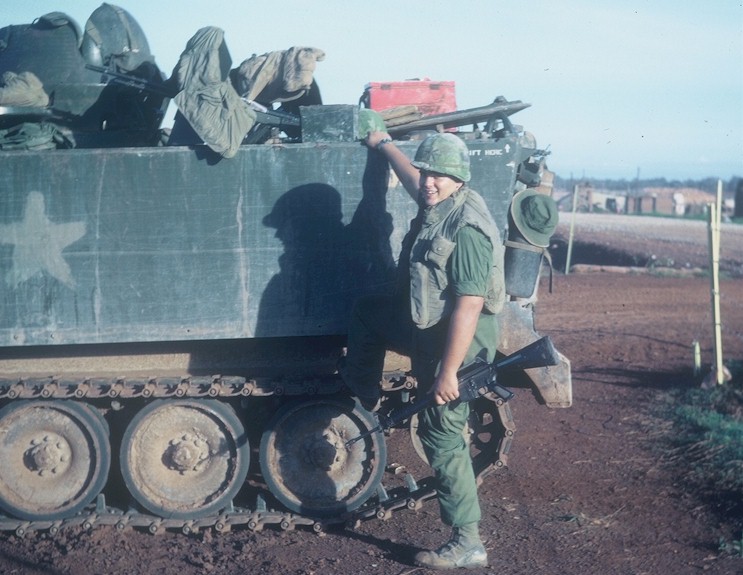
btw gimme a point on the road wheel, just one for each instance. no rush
(307, 465)
(184, 458)
(55, 458)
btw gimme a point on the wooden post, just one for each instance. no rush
(572, 227)
(714, 247)
(697, 358)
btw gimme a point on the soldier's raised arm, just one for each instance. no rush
(409, 175)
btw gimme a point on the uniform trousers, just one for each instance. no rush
(380, 323)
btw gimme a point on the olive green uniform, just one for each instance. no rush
(384, 322)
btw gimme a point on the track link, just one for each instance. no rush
(488, 457)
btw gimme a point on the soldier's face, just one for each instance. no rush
(434, 187)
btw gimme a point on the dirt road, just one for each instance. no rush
(589, 489)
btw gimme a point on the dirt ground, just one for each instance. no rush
(589, 489)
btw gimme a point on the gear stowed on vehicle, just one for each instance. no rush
(172, 319)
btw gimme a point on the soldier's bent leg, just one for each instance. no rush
(378, 323)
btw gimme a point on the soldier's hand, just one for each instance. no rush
(445, 388)
(373, 138)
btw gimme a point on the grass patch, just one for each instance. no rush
(707, 444)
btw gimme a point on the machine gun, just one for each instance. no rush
(476, 379)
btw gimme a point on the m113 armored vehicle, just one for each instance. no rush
(174, 306)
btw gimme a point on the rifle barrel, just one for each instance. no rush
(540, 353)
(133, 81)
(459, 117)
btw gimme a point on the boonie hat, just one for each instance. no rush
(535, 216)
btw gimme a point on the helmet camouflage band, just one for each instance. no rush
(444, 154)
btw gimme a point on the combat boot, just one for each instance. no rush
(369, 399)
(464, 550)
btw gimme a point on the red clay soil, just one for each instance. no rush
(593, 488)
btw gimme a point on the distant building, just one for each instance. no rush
(663, 201)
(675, 201)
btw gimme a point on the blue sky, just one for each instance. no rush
(616, 88)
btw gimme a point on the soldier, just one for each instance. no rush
(442, 316)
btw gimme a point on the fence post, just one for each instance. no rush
(714, 248)
(697, 358)
(572, 227)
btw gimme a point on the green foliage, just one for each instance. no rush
(734, 547)
(708, 441)
(716, 445)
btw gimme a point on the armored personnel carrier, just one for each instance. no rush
(172, 315)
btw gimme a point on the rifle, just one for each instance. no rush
(159, 88)
(459, 117)
(263, 114)
(276, 118)
(476, 379)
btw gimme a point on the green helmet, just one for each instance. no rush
(370, 121)
(445, 154)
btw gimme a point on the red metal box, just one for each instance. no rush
(430, 97)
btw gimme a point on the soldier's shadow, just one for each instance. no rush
(325, 264)
(396, 551)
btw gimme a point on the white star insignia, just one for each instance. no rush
(38, 243)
